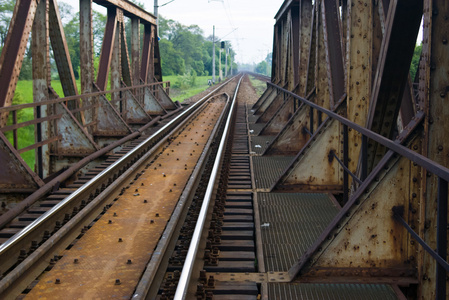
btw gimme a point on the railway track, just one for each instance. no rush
(39, 246)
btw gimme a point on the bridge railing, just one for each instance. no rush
(393, 148)
(28, 125)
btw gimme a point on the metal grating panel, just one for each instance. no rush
(311, 291)
(256, 128)
(267, 169)
(260, 143)
(290, 223)
(252, 118)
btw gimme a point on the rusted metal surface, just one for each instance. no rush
(61, 52)
(305, 29)
(278, 121)
(15, 173)
(291, 138)
(14, 50)
(372, 231)
(334, 55)
(392, 71)
(360, 52)
(130, 9)
(107, 48)
(435, 143)
(135, 50)
(304, 173)
(101, 253)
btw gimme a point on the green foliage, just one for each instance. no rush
(415, 61)
(259, 86)
(196, 85)
(185, 48)
(6, 9)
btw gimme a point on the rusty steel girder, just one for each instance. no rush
(352, 58)
(69, 130)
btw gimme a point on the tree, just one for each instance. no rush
(6, 9)
(415, 61)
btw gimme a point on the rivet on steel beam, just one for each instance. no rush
(117, 282)
(57, 281)
(120, 240)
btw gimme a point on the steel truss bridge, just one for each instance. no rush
(333, 183)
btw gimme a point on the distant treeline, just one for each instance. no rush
(183, 49)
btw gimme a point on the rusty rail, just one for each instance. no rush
(125, 163)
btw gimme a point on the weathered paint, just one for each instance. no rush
(291, 138)
(359, 55)
(322, 172)
(436, 143)
(14, 50)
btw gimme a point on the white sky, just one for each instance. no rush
(254, 20)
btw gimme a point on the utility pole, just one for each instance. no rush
(157, 19)
(220, 72)
(213, 56)
(230, 60)
(226, 60)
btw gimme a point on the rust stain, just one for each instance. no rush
(109, 259)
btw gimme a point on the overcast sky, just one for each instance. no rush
(254, 20)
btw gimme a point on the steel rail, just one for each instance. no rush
(186, 273)
(101, 176)
(160, 252)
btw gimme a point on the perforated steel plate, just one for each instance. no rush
(312, 291)
(290, 223)
(267, 169)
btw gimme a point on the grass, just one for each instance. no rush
(179, 91)
(259, 86)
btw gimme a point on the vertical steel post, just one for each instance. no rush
(364, 161)
(441, 238)
(14, 132)
(41, 81)
(345, 162)
(311, 120)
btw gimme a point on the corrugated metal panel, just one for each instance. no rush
(291, 222)
(311, 291)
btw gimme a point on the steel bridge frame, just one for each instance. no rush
(75, 125)
(343, 103)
